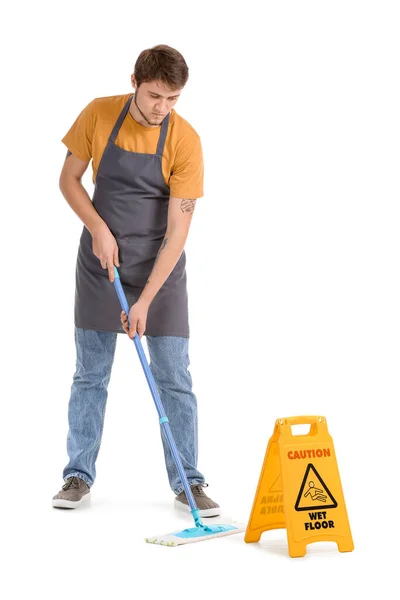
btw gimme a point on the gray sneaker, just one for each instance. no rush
(72, 493)
(207, 507)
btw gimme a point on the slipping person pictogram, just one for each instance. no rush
(314, 493)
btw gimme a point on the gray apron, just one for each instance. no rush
(132, 197)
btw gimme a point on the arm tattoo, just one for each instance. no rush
(161, 249)
(188, 205)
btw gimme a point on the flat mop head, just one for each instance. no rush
(196, 534)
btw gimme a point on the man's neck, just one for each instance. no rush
(135, 113)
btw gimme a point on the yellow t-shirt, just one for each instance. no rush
(182, 161)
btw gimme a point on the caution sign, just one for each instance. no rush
(314, 492)
(299, 489)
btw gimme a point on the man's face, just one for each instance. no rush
(154, 100)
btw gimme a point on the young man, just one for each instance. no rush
(148, 172)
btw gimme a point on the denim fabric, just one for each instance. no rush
(169, 362)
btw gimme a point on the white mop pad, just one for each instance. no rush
(196, 534)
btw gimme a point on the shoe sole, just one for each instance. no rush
(61, 503)
(206, 512)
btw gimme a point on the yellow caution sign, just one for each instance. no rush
(299, 489)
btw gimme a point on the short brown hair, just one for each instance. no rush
(163, 63)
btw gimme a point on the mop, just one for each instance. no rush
(200, 531)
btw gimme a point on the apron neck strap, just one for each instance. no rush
(163, 135)
(120, 119)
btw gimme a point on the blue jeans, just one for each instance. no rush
(169, 361)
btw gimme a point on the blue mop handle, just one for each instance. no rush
(157, 400)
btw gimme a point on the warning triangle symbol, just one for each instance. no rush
(314, 492)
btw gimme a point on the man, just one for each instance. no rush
(148, 172)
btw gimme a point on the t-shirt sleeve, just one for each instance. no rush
(187, 177)
(79, 138)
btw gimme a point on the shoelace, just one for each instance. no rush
(73, 482)
(197, 490)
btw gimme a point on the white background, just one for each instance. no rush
(293, 274)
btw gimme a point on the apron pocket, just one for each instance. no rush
(137, 258)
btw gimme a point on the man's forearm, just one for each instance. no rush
(166, 259)
(80, 202)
